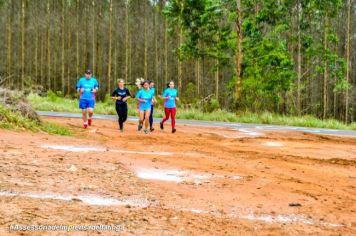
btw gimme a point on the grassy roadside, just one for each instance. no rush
(55, 103)
(13, 120)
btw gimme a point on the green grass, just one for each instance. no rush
(13, 120)
(55, 103)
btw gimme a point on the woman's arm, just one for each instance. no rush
(128, 95)
(126, 98)
(141, 100)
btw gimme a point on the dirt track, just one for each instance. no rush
(199, 181)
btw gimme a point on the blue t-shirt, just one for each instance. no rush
(153, 91)
(146, 95)
(88, 85)
(171, 101)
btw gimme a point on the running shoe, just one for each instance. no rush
(146, 131)
(85, 126)
(139, 127)
(174, 130)
(152, 129)
(161, 125)
(89, 122)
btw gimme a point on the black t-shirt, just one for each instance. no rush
(121, 93)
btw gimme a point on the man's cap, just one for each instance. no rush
(87, 71)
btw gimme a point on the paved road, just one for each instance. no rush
(218, 124)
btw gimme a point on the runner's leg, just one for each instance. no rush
(124, 113)
(117, 108)
(142, 117)
(85, 118)
(166, 112)
(90, 112)
(147, 122)
(151, 118)
(173, 117)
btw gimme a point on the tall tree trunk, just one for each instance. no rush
(93, 36)
(48, 46)
(110, 45)
(348, 45)
(62, 50)
(165, 53)
(69, 63)
(145, 42)
(36, 52)
(42, 52)
(326, 71)
(197, 76)
(239, 55)
(127, 40)
(22, 44)
(155, 73)
(299, 61)
(180, 62)
(77, 40)
(217, 79)
(9, 42)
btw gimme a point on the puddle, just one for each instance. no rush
(236, 177)
(71, 148)
(194, 210)
(163, 175)
(278, 218)
(250, 132)
(143, 153)
(281, 218)
(86, 199)
(273, 144)
(177, 176)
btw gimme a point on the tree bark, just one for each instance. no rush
(48, 46)
(110, 45)
(9, 41)
(299, 61)
(127, 46)
(77, 40)
(326, 74)
(145, 42)
(62, 49)
(239, 55)
(348, 64)
(22, 44)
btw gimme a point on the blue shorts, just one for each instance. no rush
(85, 104)
(144, 107)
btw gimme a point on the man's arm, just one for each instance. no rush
(79, 86)
(96, 86)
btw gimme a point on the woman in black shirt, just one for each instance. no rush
(121, 95)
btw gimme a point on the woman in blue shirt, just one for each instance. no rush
(170, 98)
(153, 91)
(144, 97)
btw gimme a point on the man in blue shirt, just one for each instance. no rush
(87, 87)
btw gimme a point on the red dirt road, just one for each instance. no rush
(199, 181)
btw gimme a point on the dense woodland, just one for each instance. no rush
(287, 56)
